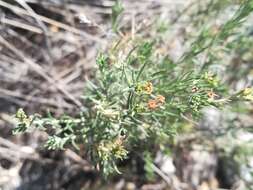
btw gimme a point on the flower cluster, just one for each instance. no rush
(146, 88)
(246, 94)
(157, 102)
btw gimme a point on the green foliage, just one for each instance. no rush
(117, 9)
(24, 122)
(139, 98)
(212, 37)
(148, 166)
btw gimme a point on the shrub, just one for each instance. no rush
(140, 98)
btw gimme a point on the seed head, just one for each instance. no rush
(148, 88)
(211, 94)
(160, 99)
(152, 104)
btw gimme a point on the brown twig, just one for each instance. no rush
(47, 20)
(39, 70)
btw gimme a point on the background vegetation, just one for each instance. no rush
(133, 95)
